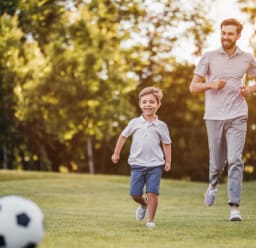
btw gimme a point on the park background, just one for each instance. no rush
(70, 73)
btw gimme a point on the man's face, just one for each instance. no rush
(229, 36)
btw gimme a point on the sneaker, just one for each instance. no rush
(210, 196)
(140, 212)
(150, 224)
(235, 215)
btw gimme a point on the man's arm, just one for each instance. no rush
(247, 90)
(197, 85)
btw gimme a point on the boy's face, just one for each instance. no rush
(149, 105)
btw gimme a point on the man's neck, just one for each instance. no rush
(230, 51)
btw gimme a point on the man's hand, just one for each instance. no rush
(245, 90)
(218, 85)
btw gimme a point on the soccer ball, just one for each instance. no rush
(21, 223)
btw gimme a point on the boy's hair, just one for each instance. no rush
(156, 92)
(233, 22)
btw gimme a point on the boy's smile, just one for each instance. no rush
(149, 105)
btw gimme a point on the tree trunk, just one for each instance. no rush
(90, 155)
(5, 162)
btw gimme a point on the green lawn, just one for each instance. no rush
(96, 211)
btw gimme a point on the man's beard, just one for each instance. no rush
(228, 45)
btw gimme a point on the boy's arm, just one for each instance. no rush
(119, 145)
(168, 156)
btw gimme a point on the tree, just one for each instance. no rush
(79, 69)
(10, 63)
(153, 61)
(248, 7)
(80, 103)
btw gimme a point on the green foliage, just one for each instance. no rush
(248, 7)
(154, 63)
(40, 19)
(71, 72)
(9, 63)
(8, 7)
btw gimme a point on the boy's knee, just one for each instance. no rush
(136, 197)
(152, 195)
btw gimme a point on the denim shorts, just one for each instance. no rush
(142, 175)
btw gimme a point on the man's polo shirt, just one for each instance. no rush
(226, 103)
(146, 141)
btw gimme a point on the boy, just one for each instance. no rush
(147, 159)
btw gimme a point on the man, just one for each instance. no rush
(226, 110)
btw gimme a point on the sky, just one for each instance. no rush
(220, 10)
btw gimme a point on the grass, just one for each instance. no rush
(96, 211)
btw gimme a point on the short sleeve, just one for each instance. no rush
(202, 67)
(252, 68)
(128, 130)
(165, 134)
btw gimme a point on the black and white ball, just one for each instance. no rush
(21, 223)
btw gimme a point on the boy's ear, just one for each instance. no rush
(159, 105)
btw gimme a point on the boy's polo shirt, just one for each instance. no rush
(226, 103)
(146, 141)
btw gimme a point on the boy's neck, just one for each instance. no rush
(150, 118)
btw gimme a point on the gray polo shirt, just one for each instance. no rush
(147, 136)
(226, 103)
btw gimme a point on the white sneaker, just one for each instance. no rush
(235, 215)
(140, 212)
(210, 196)
(150, 224)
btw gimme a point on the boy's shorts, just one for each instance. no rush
(141, 175)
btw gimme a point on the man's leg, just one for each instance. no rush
(235, 135)
(217, 150)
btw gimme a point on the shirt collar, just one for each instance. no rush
(237, 51)
(143, 120)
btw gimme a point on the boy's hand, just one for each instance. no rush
(115, 158)
(167, 167)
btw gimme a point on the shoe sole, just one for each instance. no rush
(235, 219)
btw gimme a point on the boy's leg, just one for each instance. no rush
(137, 182)
(136, 190)
(152, 206)
(152, 188)
(140, 199)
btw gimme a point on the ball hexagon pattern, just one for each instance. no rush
(21, 223)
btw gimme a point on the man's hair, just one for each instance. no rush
(233, 22)
(157, 92)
